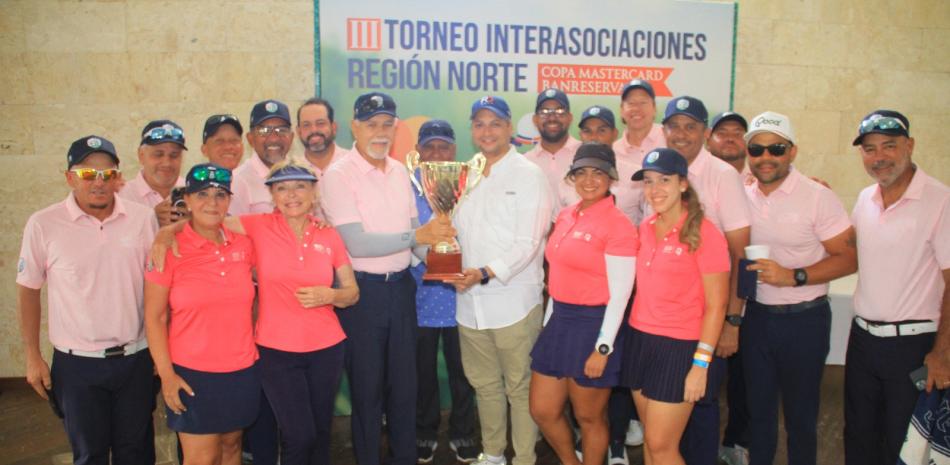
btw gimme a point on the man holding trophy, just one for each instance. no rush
(502, 223)
(367, 197)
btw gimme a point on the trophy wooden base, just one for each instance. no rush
(441, 266)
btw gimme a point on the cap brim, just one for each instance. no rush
(162, 141)
(749, 135)
(886, 132)
(91, 151)
(379, 112)
(293, 177)
(581, 123)
(494, 110)
(432, 138)
(646, 89)
(733, 117)
(638, 176)
(592, 162)
(206, 185)
(261, 120)
(682, 113)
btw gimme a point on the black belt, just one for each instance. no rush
(385, 277)
(792, 308)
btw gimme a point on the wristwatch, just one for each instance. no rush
(734, 320)
(604, 349)
(801, 277)
(485, 276)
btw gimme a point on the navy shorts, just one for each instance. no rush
(657, 366)
(567, 341)
(223, 402)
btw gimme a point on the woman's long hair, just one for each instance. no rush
(694, 218)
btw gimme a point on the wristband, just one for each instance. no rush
(706, 347)
(701, 363)
(701, 356)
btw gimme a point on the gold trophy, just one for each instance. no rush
(444, 183)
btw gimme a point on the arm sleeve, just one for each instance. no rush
(534, 216)
(733, 208)
(340, 256)
(832, 219)
(939, 237)
(31, 267)
(360, 243)
(621, 271)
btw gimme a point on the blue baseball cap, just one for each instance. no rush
(372, 104)
(889, 122)
(497, 105)
(268, 109)
(552, 94)
(290, 172)
(436, 129)
(205, 175)
(602, 113)
(663, 160)
(163, 130)
(638, 84)
(85, 146)
(729, 116)
(214, 122)
(689, 106)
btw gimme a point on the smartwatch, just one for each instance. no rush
(734, 320)
(801, 277)
(485, 276)
(604, 349)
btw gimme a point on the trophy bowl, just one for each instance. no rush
(444, 184)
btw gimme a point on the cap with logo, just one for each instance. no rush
(638, 84)
(729, 116)
(889, 122)
(290, 172)
(497, 105)
(686, 105)
(161, 131)
(205, 175)
(268, 109)
(85, 146)
(214, 122)
(373, 103)
(599, 112)
(773, 122)
(595, 155)
(552, 94)
(436, 129)
(665, 161)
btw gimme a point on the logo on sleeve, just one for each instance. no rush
(21, 265)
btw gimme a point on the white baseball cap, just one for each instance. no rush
(773, 122)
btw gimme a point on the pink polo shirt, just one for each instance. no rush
(629, 160)
(720, 191)
(577, 270)
(285, 264)
(902, 251)
(338, 153)
(251, 195)
(555, 165)
(793, 221)
(636, 153)
(354, 191)
(137, 190)
(670, 298)
(94, 271)
(211, 294)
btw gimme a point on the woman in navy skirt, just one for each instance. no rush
(682, 289)
(198, 324)
(591, 257)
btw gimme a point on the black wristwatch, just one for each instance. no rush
(603, 349)
(485, 276)
(801, 277)
(734, 320)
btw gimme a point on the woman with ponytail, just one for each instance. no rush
(682, 291)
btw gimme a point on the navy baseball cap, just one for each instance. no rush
(729, 116)
(163, 130)
(205, 175)
(214, 122)
(552, 94)
(689, 106)
(83, 147)
(268, 109)
(372, 104)
(497, 105)
(599, 112)
(638, 84)
(436, 129)
(595, 155)
(888, 122)
(663, 160)
(290, 172)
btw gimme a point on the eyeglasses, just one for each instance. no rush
(160, 133)
(280, 131)
(91, 174)
(883, 123)
(559, 111)
(776, 150)
(204, 174)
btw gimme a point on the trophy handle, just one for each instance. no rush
(412, 164)
(477, 165)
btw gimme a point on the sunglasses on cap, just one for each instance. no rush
(91, 174)
(204, 174)
(776, 150)
(160, 133)
(374, 103)
(881, 124)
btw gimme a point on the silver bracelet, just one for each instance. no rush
(706, 347)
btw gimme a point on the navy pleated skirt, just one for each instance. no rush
(568, 340)
(657, 366)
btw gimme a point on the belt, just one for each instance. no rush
(793, 308)
(897, 328)
(384, 277)
(111, 352)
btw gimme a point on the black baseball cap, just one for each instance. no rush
(436, 129)
(372, 104)
(83, 147)
(663, 160)
(552, 94)
(729, 116)
(268, 109)
(689, 106)
(638, 84)
(214, 122)
(595, 155)
(888, 122)
(161, 131)
(205, 175)
(602, 113)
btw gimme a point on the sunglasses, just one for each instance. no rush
(91, 174)
(776, 150)
(204, 174)
(160, 133)
(882, 124)
(559, 111)
(280, 131)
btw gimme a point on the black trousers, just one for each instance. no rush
(380, 361)
(428, 405)
(107, 405)
(737, 428)
(879, 396)
(784, 356)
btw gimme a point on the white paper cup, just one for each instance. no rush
(756, 252)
